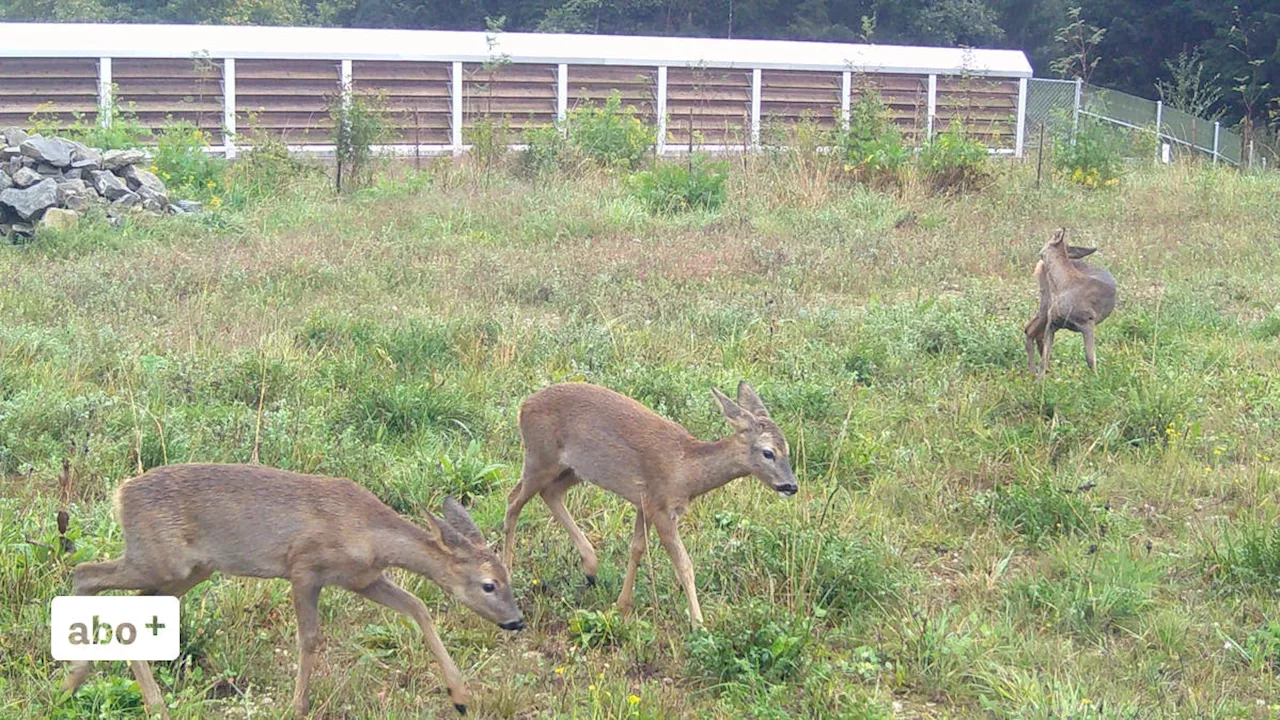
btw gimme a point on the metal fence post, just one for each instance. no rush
(455, 99)
(1159, 118)
(933, 103)
(661, 141)
(846, 89)
(562, 92)
(229, 108)
(1217, 127)
(756, 81)
(104, 92)
(1075, 116)
(1022, 117)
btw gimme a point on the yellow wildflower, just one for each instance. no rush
(560, 671)
(591, 688)
(634, 699)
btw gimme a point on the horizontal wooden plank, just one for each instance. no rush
(186, 68)
(796, 79)
(509, 92)
(707, 95)
(707, 76)
(12, 68)
(170, 104)
(400, 71)
(475, 72)
(26, 106)
(287, 70)
(403, 88)
(23, 119)
(612, 74)
(801, 95)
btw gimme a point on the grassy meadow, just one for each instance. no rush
(967, 541)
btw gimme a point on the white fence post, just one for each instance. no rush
(660, 144)
(104, 92)
(846, 89)
(455, 95)
(1160, 119)
(562, 92)
(229, 108)
(756, 81)
(1022, 117)
(344, 80)
(933, 104)
(1075, 116)
(1217, 127)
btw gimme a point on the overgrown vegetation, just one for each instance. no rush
(610, 134)
(359, 123)
(674, 187)
(968, 541)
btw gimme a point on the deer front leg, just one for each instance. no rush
(1086, 331)
(385, 592)
(306, 603)
(665, 524)
(639, 543)
(1046, 351)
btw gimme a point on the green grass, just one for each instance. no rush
(967, 542)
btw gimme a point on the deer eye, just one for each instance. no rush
(768, 454)
(489, 587)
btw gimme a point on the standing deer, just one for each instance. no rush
(181, 523)
(1073, 295)
(576, 431)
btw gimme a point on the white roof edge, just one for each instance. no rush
(301, 43)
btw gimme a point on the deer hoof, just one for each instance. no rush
(591, 581)
(462, 709)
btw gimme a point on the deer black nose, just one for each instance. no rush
(513, 625)
(788, 489)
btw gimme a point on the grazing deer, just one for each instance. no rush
(182, 523)
(576, 431)
(1073, 295)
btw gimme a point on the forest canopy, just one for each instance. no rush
(1209, 57)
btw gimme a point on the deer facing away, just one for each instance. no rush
(577, 431)
(181, 523)
(1073, 295)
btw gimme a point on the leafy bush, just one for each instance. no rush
(358, 125)
(1094, 159)
(680, 187)
(1091, 595)
(871, 146)
(187, 170)
(546, 150)
(489, 141)
(266, 168)
(612, 136)
(761, 642)
(607, 628)
(124, 131)
(953, 161)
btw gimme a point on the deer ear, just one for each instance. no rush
(459, 519)
(740, 419)
(1075, 253)
(750, 401)
(1058, 236)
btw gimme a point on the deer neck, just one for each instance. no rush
(405, 545)
(1060, 271)
(710, 465)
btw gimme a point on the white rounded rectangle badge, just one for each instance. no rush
(95, 627)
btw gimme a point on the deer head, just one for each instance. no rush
(764, 447)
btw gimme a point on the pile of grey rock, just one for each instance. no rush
(51, 182)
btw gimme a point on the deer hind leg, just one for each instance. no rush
(306, 603)
(665, 524)
(152, 697)
(387, 593)
(1046, 350)
(1035, 342)
(1090, 357)
(553, 496)
(119, 574)
(639, 543)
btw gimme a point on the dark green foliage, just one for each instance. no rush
(758, 643)
(1040, 509)
(677, 187)
(1247, 556)
(610, 135)
(953, 161)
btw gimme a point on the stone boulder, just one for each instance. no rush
(108, 185)
(138, 178)
(54, 151)
(59, 219)
(14, 136)
(30, 202)
(26, 177)
(116, 159)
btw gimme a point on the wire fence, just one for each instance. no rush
(1057, 105)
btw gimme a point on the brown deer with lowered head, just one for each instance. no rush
(182, 523)
(1073, 295)
(576, 431)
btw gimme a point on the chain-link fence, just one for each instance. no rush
(1055, 106)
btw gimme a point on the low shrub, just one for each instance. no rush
(680, 187)
(546, 151)
(954, 162)
(610, 135)
(1094, 159)
(757, 643)
(187, 169)
(871, 146)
